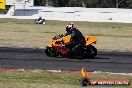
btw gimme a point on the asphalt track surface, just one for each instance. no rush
(28, 58)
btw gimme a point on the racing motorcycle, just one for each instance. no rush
(55, 48)
(40, 21)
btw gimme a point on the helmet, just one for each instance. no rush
(69, 26)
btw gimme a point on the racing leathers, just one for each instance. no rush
(76, 40)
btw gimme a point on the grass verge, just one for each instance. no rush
(43, 79)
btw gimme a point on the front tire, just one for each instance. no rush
(90, 52)
(51, 52)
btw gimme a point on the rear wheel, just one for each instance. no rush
(51, 52)
(90, 52)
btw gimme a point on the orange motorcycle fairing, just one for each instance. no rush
(90, 40)
(62, 50)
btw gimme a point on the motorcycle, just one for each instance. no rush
(39, 21)
(55, 48)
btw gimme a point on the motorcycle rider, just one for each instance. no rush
(76, 40)
(40, 21)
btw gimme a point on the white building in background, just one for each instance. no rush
(20, 7)
(25, 9)
(20, 2)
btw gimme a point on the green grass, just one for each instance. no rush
(24, 33)
(42, 79)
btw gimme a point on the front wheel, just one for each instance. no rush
(90, 52)
(51, 52)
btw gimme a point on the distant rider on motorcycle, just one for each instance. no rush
(76, 40)
(40, 21)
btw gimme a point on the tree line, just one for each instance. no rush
(85, 3)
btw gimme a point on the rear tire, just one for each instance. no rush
(90, 52)
(51, 52)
